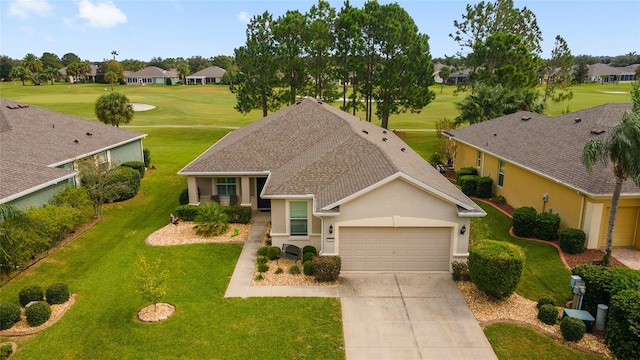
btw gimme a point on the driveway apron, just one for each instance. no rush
(408, 316)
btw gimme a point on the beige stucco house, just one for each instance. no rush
(536, 160)
(343, 185)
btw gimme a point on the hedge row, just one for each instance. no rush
(528, 223)
(236, 214)
(481, 186)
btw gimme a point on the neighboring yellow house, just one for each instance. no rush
(535, 160)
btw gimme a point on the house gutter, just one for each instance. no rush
(39, 187)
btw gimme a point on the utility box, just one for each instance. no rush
(574, 279)
(583, 315)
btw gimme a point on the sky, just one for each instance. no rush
(143, 29)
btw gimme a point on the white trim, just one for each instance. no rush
(38, 187)
(106, 148)
(225, 174)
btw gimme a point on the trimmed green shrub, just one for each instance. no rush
(484, 188)
(466, 171)
(279, 270)
(572, 329)
(127, 182)
(187, 212)
(309, 249)
(294, 269)
(9, 315)
(263, 267)
(77, 198)
(326, 268)
(30, 293)
(238, 214)
(307, 268)
(273, 252)
(5, 351)
(183, 199)
(496, 267)
(259, 277)
(308, 256)
(57, 293)
(146, 154)
(597, 279)
(37, 313)
(468, 184)
(547, 226)
(262, 251)
(524, 221)
(136, 165)
(262, 260)
(499, 199)
(544, 300)
(460, 271)
(572, 240)
(53, 222)
(623, 329)
(624, 279)
(548, 314)
(211, 220)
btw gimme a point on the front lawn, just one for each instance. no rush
(99, 266)
(544, 273)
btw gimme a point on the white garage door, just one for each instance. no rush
(395, 249)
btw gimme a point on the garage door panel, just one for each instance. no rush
(624, 229)
(395, 249)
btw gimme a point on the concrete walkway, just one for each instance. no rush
(627, 255)
(384, 315)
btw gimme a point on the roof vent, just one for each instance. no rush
(23, 106)
(403, 149)
(597, 131)
(525, 118)
(298, 102)
(13, 107)
(384, 131)
(89, 134)
(76, 141)
(320, 102)
(365, 131)
(384, 139)
(577, 120)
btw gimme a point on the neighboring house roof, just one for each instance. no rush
(94, 70)
(312, 148)
(210, 72)
(154, 71)
(33, 141)
(606, 69)
(551, 146)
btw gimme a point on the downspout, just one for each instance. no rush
(582, 214)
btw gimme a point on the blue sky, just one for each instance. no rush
(142, 29)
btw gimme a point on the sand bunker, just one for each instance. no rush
(141, 107)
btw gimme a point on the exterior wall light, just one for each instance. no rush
(330, 229)
(463, 230)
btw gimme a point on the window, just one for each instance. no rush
(500, 173)
(226, 187)
(479, 159)
(298, 218)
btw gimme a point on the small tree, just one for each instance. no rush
(111, 78)
(444, 73)
(114, 109)
(152, 283)
(96, 178)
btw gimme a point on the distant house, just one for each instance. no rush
(604, 73)
(39, 151)
(91, 76)
(458, 76)
(210, 75)
(535, 160)
(152, 75)
(340, 184)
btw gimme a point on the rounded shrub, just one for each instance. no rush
(262, 260)
(544, 300)
(466, 171)
(294, 269)
(38, 313)
(146, 154)
(183, 199)
(468, 184)
(187, 212)
(572, 329)
(136, 165)
(547, 226)
(460, 271)
(572, 240)
(496, 267)
(279, 270)
(524, 221)
(622, 327)
(484, 188)
(308, 256)
(309, 249)
(57, 293)
(126, 182)
(6, 350)
(262, 251)
(548, 314)
(262, 267)
(327, 268)
(307, 268)
(273, 252)
(9, 315)
(30, 293)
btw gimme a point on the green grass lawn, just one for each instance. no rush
(544, 273)
(100, 265)
(517, 342)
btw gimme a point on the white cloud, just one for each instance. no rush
(101, 15)
(244, 17)
(27, 8)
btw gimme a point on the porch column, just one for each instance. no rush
(193, 190)
(246, 191)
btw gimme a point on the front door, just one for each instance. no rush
(263, 204)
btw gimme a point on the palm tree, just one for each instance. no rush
(444, 73)
(51, 74)
(622, 149)
(114, 109)
(20, 73)
(32, 63)
(183, 71)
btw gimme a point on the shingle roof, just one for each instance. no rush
(314, 148)
(211, 71)
(154, 71)
(36, 140)
(551, 146)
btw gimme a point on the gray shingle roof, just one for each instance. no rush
(154, 71)
(34, 140)
(313, 148)
(551, 146)
(211, 71)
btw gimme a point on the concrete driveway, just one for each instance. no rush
(408, 316)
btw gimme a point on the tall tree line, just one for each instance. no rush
(376, 54)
